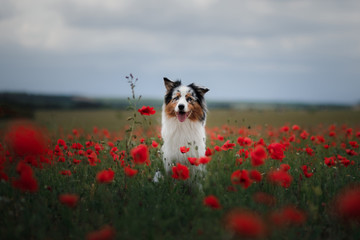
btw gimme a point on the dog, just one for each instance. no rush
(183, 122)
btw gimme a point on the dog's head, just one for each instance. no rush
(185, 102)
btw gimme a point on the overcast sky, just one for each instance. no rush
(282, 50)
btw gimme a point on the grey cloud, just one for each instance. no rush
(7, 9)
(254, 46)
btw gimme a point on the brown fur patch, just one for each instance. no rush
(196, 111)
(189, 95)
(170, 109)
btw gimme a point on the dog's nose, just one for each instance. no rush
(181, 107)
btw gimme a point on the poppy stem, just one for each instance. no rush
(132, 106)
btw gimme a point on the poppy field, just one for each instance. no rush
(262, 182)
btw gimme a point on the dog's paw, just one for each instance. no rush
(157, 177)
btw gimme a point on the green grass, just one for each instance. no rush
(137, 208)
(278, 118)
(116, 120)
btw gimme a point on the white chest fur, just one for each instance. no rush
(177, 134)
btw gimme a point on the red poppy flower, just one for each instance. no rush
(217, 148)
(244, 141)
(343, 160)
(295, 127)
(306, 171)
(92, 159)
(204, 160)
(347, 205)
(276, 151)
(231, 189)
(244, 152)
(194, 161)
(58, 151)
(140, 154)
(264, 198)
(219, 137)
(354, 144)
(114, 153)
(255, 175)
(284, 129)
(209, 152)
(76, 161)
(280, 177)
(240, 141)
(332, 134)
(69, 200)
(304, 135)
(247, 141)
(147, 111)
(184, 149)
(286, 216)
(285, 167)
(258, 155)
(309, 151)
(105, 233)
(105, 176)
(26, 139)
(261, 142)
(227, 145)
(241, 177)
(349, 131)
(330, 161)
(180, 172)
(212, 202)
(77, 146)
(61, 142)
(114, 150)
(130, 172)
(76, 132)
(292, 138)
(98, 147)
(3, 176)
(26, 182)
(65, 172)
(245, 224)
(351, 152)
(154, 144)
(89, 144)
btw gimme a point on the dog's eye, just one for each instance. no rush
(189, 99)
(176, 98)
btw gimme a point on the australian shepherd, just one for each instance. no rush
(183, 123)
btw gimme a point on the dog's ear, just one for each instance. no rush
(203, 90)
(199, 89)
(168, 84)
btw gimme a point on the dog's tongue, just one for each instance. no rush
(181, 117)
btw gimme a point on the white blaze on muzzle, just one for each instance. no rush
(182, 107)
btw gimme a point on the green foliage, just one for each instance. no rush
(138, 208)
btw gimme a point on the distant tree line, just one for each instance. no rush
(25, 104)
